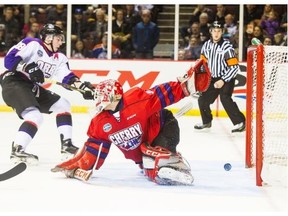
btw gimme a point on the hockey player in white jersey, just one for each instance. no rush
(28, 63)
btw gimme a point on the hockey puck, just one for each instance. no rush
(227, 166)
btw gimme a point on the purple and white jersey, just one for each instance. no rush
(53, 64)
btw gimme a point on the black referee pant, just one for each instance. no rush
(229, 105)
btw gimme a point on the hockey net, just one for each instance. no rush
(266, 114)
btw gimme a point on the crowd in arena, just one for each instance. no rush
(90, 25)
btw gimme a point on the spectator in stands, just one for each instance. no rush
(18, 13)
(89, 14)
(121, 34)
(79, 26)
(34, 30)
(230, 28)
(98, 27)
(12, 29)
(267, 41)
(257, 32)
(40, 12)
(79, 50)
(154, 9)
(204, 26)
(267, 9)
(104, 8)
(100, 50)
(57, 12)
(27, 26)
(252, 13)
(132, 17)
(181, 55)
(220, 14)
(271, 24)
(199, 9)
(280, 39)
(193, 50)
(193, 30)
(145, 36)
(3, 47)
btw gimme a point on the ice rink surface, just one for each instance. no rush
(120, 188)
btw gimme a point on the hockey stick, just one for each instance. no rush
(183, 110)
(65, 85)
(16, 170)
(84, 175)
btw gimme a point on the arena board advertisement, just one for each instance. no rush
(132, 73)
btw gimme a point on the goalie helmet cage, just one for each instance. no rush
(266, 113)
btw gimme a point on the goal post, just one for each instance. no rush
(266, 113)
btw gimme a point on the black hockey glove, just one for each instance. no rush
(89, 90)
(36, 75)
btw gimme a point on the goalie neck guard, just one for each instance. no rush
(107, 92)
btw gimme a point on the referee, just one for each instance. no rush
(223, 64)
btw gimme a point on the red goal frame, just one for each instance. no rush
(256, 52)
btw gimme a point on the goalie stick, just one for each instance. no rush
(16, 170)
(65, 85)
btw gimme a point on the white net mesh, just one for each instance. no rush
(274, 117)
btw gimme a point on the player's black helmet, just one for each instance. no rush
(50, 29)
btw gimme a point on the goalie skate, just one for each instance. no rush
(172, 176)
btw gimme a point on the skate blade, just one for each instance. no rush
(28, 161)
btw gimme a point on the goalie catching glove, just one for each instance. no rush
(197, 78)
(91, 156)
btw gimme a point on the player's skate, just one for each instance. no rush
(67, 148)
(19, 155)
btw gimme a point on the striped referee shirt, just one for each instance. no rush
(221, 59)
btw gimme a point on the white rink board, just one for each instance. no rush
(141, 73)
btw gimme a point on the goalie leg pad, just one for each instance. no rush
(172, 176)
(164, 167)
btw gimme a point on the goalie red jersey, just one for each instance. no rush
(138, 119)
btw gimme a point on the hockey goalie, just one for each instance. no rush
(138, 123)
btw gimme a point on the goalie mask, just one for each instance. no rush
(107, 92)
